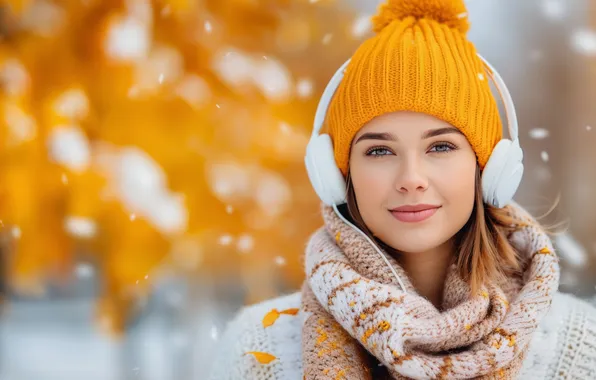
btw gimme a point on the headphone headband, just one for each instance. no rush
(492, 73)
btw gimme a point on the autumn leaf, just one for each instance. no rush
(262, 357)
(292, 311)
(270, 318)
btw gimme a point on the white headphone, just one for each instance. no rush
(500, 178)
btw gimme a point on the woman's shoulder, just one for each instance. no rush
(564, 346)
(252, 348)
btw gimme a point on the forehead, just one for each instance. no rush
(402, 121)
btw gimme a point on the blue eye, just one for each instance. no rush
(442, 148)
(378, 151)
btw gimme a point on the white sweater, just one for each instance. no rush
(563, 347)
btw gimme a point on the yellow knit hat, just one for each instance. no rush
(420, 60)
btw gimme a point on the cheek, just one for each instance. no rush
(371, 186)
(458, 184)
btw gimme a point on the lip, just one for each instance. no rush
(414, 213)
(414, 208)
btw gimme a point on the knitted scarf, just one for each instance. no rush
(359, 324)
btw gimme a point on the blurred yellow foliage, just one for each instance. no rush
(144, 135)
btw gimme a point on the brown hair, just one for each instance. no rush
(483, 250)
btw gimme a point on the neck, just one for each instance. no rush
(428, 270)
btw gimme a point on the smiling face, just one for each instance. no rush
(414, 180)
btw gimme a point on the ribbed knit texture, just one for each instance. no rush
(419, 61)
(484, 335)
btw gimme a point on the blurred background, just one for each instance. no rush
(151, 164)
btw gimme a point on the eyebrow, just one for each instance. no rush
(376, 136)
(440, 131)
(390, 137)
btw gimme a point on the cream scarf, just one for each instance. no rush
(356, 315)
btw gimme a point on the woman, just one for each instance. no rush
(425, 268)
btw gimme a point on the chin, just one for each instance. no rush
(419, 239)
(407, 245)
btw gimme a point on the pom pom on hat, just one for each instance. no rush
(452, 13)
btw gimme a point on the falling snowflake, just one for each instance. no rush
(68, 145)
(208, 27)
(166, 11)
(285, 128)
(544, 156)
(138, 176)
(280, 260)
(273, 79)
(80, 226)
(361, 26)
(194, 90)
(84, 270)
(588, 128)
(570, 249)
(327, 38)
(553, 9)
(239, 70)
(72, 104)
(128, 39)
(139, 182)
(16, 232)
(229, 209)
(164, 65)
(214, 333)
(229, 181)
(584, 42)
(133, 92)
(234, 67)
(14, 77)
(168, 213)
(225, 239)
(480, 76)
(245, 243)
(273, 193)
(21, 125)
(304, 88)
(538, 133)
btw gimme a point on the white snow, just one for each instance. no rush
(68, 145)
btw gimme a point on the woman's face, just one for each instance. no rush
(414, 180)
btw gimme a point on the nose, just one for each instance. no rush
(411, 176)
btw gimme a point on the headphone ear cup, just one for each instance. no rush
(324, 175)
(503, 173)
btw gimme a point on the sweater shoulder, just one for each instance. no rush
(564, 346)
(245, 333)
